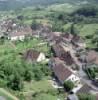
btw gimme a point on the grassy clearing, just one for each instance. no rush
(37, 86)
(42, 89)
(66, 7)
(87, 29)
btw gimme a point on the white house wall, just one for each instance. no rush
(74, 79)
(17, 38)
(41, 57)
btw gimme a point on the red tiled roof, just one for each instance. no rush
(31, 55)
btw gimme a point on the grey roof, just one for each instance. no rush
(84, 89)
(72, 97)
(2, 98)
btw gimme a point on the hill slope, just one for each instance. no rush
(14, 4)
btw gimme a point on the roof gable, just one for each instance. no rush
(31, 55)
(61, 72)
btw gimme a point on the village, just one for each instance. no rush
(71, 60)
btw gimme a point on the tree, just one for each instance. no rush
(87, 11)
(15, 82)
(37, 74)
(73, 30)
(2, 40)
(45, 69)
(57, 26)
(20, 17)
(92, 73)
(28, 75)
(95, 38)
(68, 85)
(35, 25)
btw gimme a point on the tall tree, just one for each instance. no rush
(73, 30)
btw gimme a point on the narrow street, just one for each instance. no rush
(81, 73)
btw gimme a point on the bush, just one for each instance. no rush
(15, 82)
(68, 85)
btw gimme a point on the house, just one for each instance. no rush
(20, 34)
(78, 41)
(33, 55)
(60, 52)
(67, 37)
(85, 89)
(62, 73)
(16, 36)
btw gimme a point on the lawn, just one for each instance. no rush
(32, 43)
(87, 29)
(44, 90)
(38, 86)
(66, 7)
(45, 97)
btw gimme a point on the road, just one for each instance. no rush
(83, 76)
(9, 94)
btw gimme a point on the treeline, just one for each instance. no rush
(16, 4)
(13, 72)
(86, 15)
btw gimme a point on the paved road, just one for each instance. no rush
(9, 94)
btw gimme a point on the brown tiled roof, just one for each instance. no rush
(31, 55)
(92, 57)
(62, 54)
(77, 39)
(58, 50)
(61, 72)
(66, 56)
(13, 34)
(56, 33)
(21, 32)
(67, 35)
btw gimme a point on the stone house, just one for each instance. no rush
(34, 56)
(62, 73)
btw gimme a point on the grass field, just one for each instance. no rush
(42, 87)
(87, 29)
(38, 86)
(66, 7)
